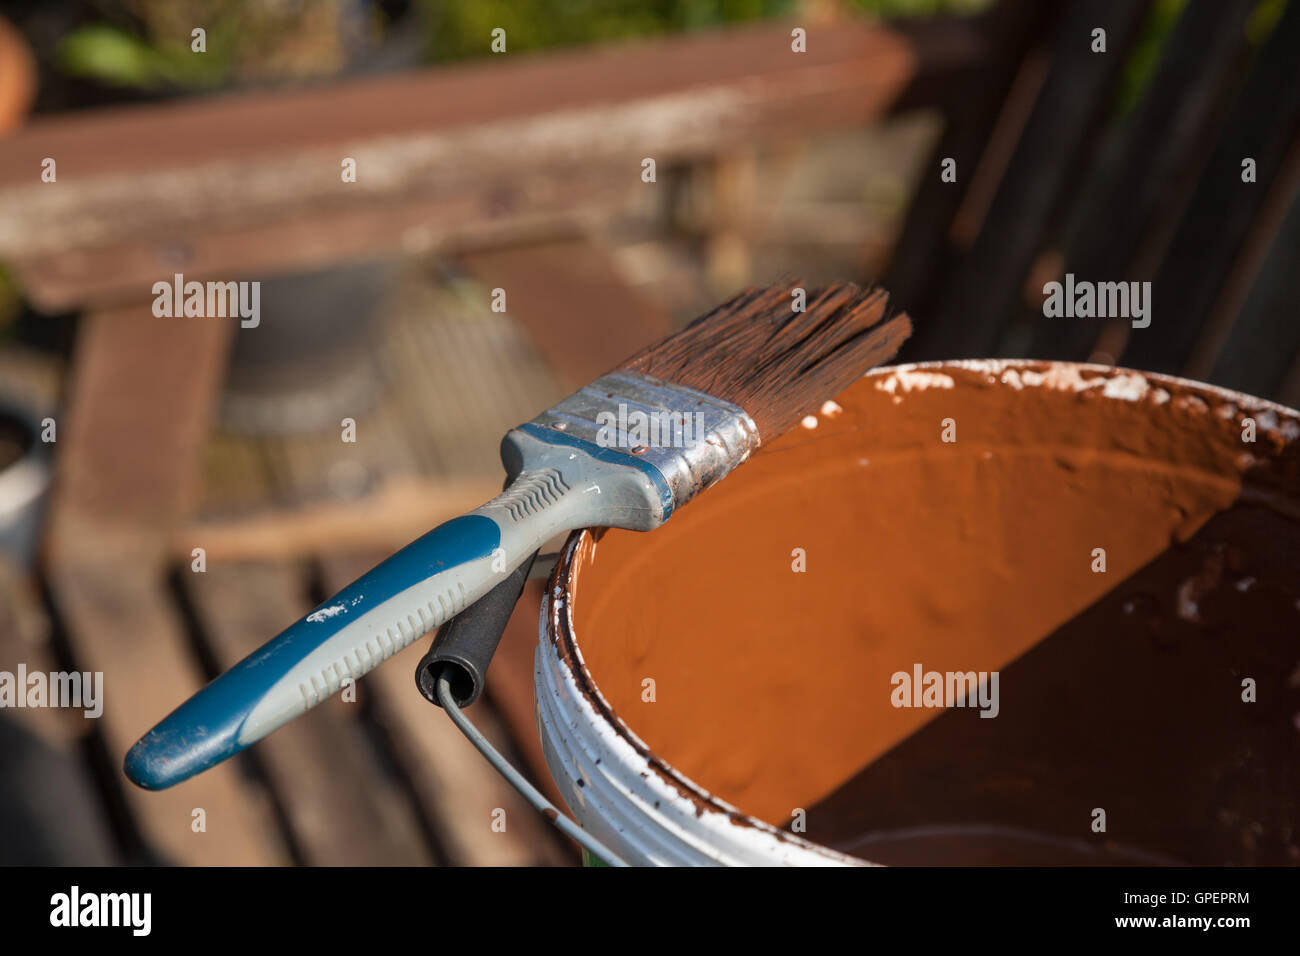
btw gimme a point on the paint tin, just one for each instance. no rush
(1112, 557)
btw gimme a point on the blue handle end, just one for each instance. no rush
(169, 754)
(158, 760)
(206, 729)
(197, 735)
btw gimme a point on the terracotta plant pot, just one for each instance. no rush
(17, 77)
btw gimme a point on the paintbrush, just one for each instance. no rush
(626, 451)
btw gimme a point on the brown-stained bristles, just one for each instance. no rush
(777, 364)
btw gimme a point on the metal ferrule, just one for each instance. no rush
(692, 438)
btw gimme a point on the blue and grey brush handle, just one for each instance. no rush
(574, 466)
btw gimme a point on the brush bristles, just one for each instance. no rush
(777, 364)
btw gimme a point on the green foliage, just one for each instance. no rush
(119, 58)
(1263, 19)
(463, 28)
(1159, 26)
(884, 9)
(1142, 62)
(159, 56)
(10, 305)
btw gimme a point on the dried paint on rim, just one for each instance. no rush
(1113, 381)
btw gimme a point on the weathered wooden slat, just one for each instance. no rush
(121, 622)
(310, 238)
(1219, 217)
(986, 177)
(25, 639)
(1288, 393)
(51, 811)
(457, 377)
(582, 316)
(1265, 341)
(503, 87)
(1146, 172)
(460, 792)
(141, 398)
(474, 142)
(1251, 332)
(918, 258)
(395, 514)
(142, 394)
(342, 809)
(1072, 104)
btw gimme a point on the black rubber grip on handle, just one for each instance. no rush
(465, 644)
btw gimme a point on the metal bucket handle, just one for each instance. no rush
(451, 675)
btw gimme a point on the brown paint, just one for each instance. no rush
(1118, 689)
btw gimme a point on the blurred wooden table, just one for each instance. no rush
(498, 167)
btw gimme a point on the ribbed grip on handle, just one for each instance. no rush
(560, 484)
(405, 597)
